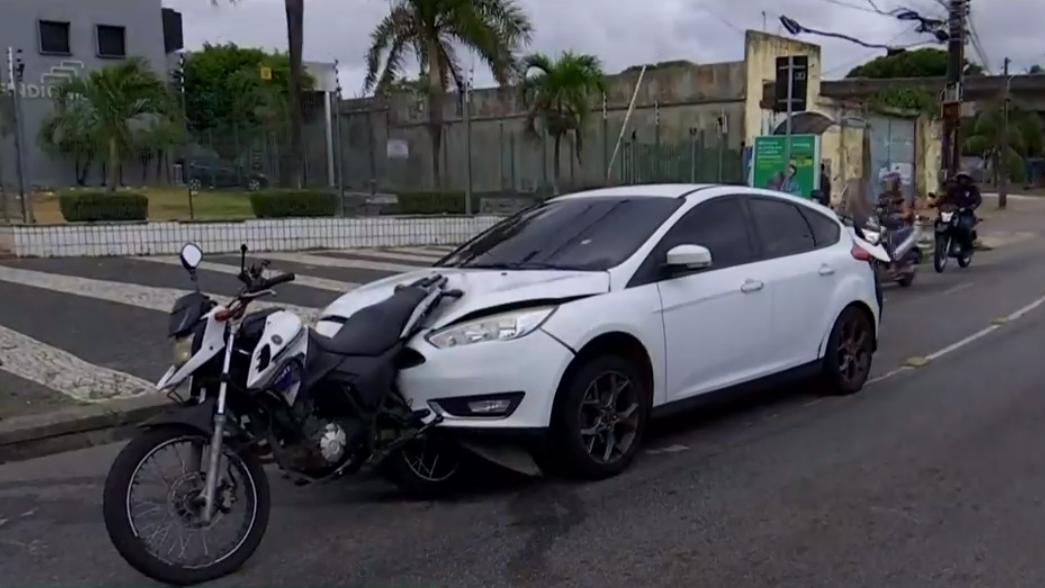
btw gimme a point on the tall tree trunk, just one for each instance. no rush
(295, 37)
(556, 165)
(113, 166)
(435, 110)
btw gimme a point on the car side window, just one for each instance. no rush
(719, 224)
(825, 231)
(781, 228)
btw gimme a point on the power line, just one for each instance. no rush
(719, 18)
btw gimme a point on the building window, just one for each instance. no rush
(112, 41)
(54, 37)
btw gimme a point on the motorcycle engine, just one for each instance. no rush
(322, 445)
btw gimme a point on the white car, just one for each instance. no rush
(584, 316)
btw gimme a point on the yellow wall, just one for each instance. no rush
(760, 53)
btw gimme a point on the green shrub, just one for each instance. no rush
(433, 203)
(293, 203)
(103, 206)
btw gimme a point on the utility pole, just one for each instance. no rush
(16, 67)
(468, 145)
(1003, 179)
(186, 166)
(952, 98)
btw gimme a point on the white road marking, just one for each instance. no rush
(668, 449)
(957, 288)
(63, 372)
(300, 280)
(150, 297)
(323, 261)
(1018, 314)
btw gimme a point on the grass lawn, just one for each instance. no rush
(165, 203)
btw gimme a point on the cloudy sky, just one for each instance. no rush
(626, 32)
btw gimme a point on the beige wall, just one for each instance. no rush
(760, 53)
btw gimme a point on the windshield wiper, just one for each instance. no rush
(519, 265)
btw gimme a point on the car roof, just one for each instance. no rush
(640, 191)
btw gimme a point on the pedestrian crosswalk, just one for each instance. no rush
(108, 306)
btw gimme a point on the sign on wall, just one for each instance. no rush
(52, 79)
(798, 177)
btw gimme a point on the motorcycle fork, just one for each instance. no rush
(217, 436)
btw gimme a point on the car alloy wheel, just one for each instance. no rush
(853, 352)
(609, 417)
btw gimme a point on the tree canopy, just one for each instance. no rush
(921, 63)
(987, 139)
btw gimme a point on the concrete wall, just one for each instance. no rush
(143, 24)
(760, 53)
(505, 157)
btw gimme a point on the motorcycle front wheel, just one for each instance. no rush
(153, 507)
(942, 252)
(429, 467)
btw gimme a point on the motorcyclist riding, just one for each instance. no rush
(963, 195)
(895, 212)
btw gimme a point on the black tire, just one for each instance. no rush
(575, 455)
(847, 359)
(906, 280)
(404, 469)
(965, 260)
(940, 254)
(121, 529)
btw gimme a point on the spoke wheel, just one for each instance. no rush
(609, 417)
(431, 460)
(153, 507)
(429, 467)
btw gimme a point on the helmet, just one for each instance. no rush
(962, 174)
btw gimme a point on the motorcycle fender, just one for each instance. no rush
(198, 417)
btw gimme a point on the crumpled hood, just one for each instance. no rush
(482, 289)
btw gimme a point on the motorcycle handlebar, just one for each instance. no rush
(269, 283)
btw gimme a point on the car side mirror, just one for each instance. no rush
(687, 258)
(191, 256)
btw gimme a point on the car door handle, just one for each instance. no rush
(751, 286)
(826, 270)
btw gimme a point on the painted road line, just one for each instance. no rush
(926, 360)
(342, 262)
(422, 251)
(299, 279)
(148, 297)
(382, 254)
(63, 372)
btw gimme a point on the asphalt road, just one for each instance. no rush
(930, 477)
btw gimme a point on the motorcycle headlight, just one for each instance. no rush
(498, 327)
(182, 350)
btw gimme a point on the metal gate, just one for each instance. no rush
(892, 143)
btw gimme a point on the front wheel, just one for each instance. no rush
(154, 511)
(965, 260)
(942, 252)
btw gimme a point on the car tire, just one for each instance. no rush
(600, 417)
(850, 349)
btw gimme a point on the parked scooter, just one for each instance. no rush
(187, 500)
(902, 245)
(953, 238)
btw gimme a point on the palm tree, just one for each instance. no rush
(560, 95)
(123, 99)
(71, 130)
(1005, 154)
(431, 30)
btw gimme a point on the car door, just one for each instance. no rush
(714, 319)
(799, 276)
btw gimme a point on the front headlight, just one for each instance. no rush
(182, 350)
(498, 327)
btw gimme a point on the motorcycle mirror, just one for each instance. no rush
(191, 256)
(243, 257)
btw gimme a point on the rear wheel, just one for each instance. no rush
(153, 508)
(600, 418)
(847, 361)
(428, 467)
(942, 252)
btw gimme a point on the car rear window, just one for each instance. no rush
(587, 233)
(825, 230)
(781, 228)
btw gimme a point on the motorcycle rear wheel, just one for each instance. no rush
(429, 467)
(147, 545)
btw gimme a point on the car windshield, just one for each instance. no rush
(588, 233)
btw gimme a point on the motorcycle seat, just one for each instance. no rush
(374, 329)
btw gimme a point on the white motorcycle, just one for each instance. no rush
(187, 500)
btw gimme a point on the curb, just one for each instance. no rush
(73, 428)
